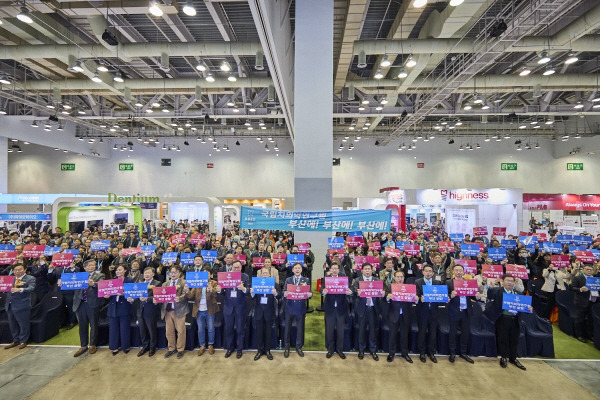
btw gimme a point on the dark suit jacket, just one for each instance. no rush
(420, 305)
(238, 302)
(394, 309)
(295, 307)
(148, 308)
(454, 305)
(266, 311)
(493, 307)
(92, 293)
(21, 301)
(332, 299)
(360, 303)
(581, 299)
(118, 306)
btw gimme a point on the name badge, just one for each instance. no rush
(410, 271)
(438, 278)
(233, 293)
(263, 300)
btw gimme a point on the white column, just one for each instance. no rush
(3, 169)
(313, 116)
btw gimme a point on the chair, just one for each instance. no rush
(103, 326)
(5, 336)
(443, 335)
(483, 335)
(596, 321)
(411, 280)
(538, 334)
(566, 311)
(45, 324)
(534, 287)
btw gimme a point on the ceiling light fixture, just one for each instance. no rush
(225, 66)
(549, 71)
(402, 74)
(25, 15)
(155, 9)
(456, 3)
(231, 77)
(525, 71)
(571, 59)
(189, 9)
(544, 59)
(419, 3)
(118, 77)
(96, 78)
(102, 67)
(378, 74)
(210, 77)
(385, 62)
(410, 61)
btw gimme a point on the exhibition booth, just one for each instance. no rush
(569, 213)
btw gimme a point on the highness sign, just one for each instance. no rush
(433, 197)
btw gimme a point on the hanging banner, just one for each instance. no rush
(316, 221)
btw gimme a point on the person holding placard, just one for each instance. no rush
(197, 266)
(235, 310)
(86, 305)
(398, 321)
(264, 314)
(260, 253)
(555, 279)
(67, 294)
(583, 301)
(336, 314)
(204, 309)
(295, 310)
(507, 322)
(18, 307)
(460, 310)
(387, 273)
(119, 317)
(366, 310)
(147, 315)
(427, 317)
(175, 313)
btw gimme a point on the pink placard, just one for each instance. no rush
(391, 252)
(492, 271)
(355, 241)
(470, 266)
(62, 259)
(33, 250)
(499, 231)
(374, 261)
(523, 233)
(7, 257)
(371, 288)
(164, 294)
(480, 231)
(337, 285)
(518, 271)
(374, 245)
(298, 292)
(560, 261)
(339, 251)
(586, 257)
(131, 251)
(6, 283)
(302, 248)
(404, 292)
(229, 280)
(412, 249)
(242, 258)
(466, 287)
(359, 261)
(178, 238)
(446, 246)
(258, 262)
(278, 259)
(198, 238)
(110, 287)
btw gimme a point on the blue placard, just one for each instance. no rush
(77, 280)
(50, 251)
(435, 293)
(527, 240)
(400, 244)
(497, 253)
(8, 247)
(469, 249)
(508, 244)
(208, 255)
(592, 283)
(148, 250)
(564, 239)
(135, 290)
(581, 240)
(262, 285)
(457, 237)
(100, 245)
(355, 234)
(196, 279)
(295, 258)
(75, 252)
(316, 221)
(169, 257)
(552, 248)
(530, 247)
(336, 242)
(576, 248)
(516, 302)
(596, 253)
(187, 258)
(25, 217)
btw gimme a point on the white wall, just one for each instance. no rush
(248, 171)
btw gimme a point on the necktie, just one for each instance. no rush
(17, 282)
(296, 281)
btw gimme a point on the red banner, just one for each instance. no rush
(374, 245)
(298, 292)
(198, 238)
(480, 231)
(499, 231)
(179, 238)
(391, 252)
(278, 259)
(164, 294)
(355, 241)
(518, 271)
(110, 287)
(412, 249)
(131, 251)
(6, 283)
(7, 257)
(33, 250)
(229, 279)
(62, 259)
(371, 288)
(242, 258)
(258, 262)
(446, 246)
(586, 257)
(560, 261)
(337, 285)
(404, 292)
(302, 248)
(470, 266)
(466, 287)
(569, 202)
(492, 271)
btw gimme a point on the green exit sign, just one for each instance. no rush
(508, 166)
(125, 167)
(575, 166)
(67, 167)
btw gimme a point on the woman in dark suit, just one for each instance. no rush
(119, 317)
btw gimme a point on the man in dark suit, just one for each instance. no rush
(507, 322)
(86, 305)
(18, 307)
(336, 315)
(427, 316)
(228, 263)
(295, 310)
(460, 310)
(147, 315)
(583, 301)
(235, 311)
(264, 316)
(67, 294)
(366, 310)
(398, 319)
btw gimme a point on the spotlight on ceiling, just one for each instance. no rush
(110, 38)
(118, 77)
(24, 15)
(544, 59)
(402, 74)
(155, 9)
(419, 3)
(189, 9)
(385, 62)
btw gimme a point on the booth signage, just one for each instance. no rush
(67, 167)
(125, 166)
(444, 197)
(567, 202)
(134, 198)
(505, 166)
(575, 166)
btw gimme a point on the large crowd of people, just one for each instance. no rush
(435, 260)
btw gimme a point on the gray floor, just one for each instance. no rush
(26, 373)
(585, 373)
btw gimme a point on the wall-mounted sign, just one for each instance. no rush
(136, 198)
(575, 166)
(67, 167)
(125, 166)
(468, 196)
(508, 166)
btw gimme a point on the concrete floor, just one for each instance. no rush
(586, 373)
(48, 373)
